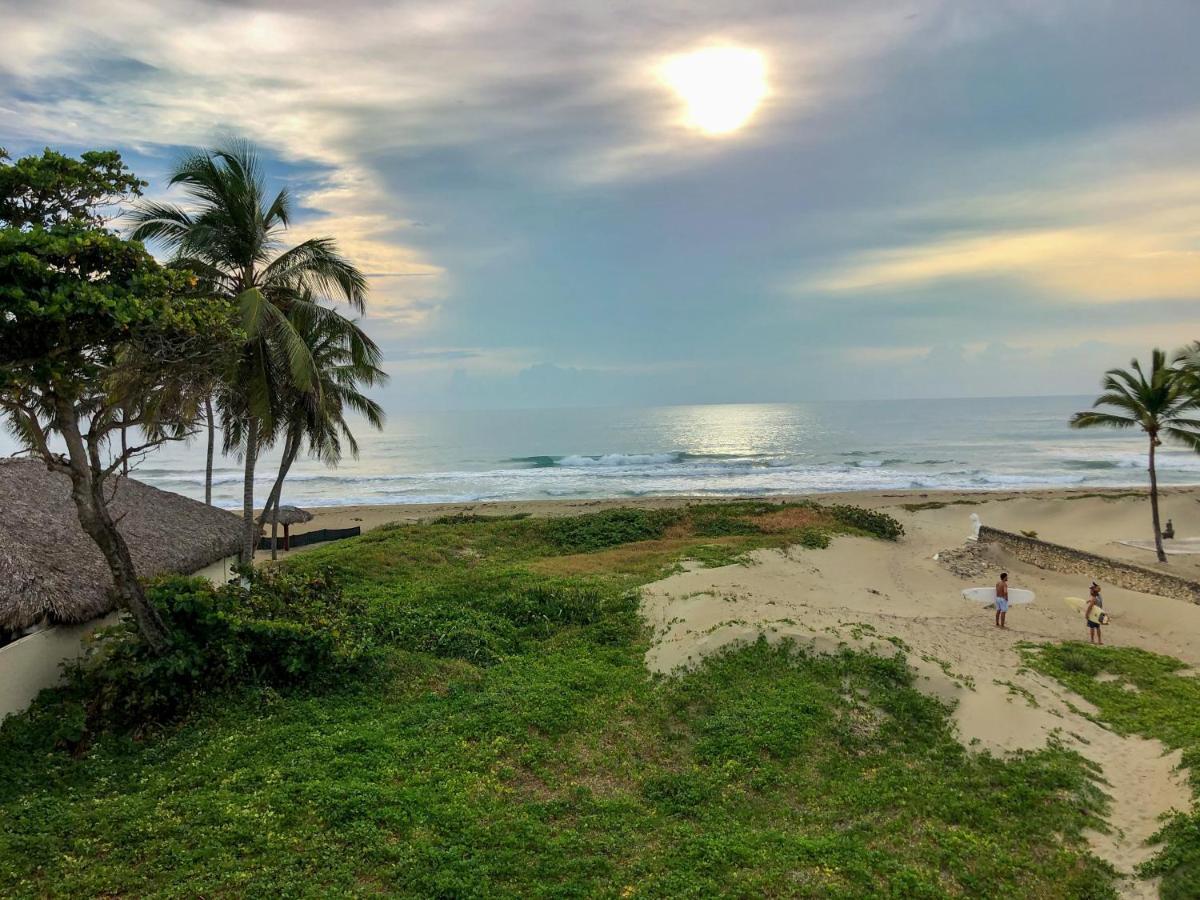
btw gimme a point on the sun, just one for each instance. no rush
(720, 86)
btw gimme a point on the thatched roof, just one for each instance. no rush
(50, 570)
(292, 515)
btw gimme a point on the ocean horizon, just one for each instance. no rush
(719, 450)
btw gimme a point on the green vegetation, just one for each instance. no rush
(1153, 696)
(1107, 496)
(288, 628)
(937, 504)
(502, 736)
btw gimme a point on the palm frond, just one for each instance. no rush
(1091, 419)
(316, 266)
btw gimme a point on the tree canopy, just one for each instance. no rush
(96, 338)
(53, 189)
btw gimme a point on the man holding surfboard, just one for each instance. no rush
(1002, 600)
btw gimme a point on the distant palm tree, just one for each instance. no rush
(231, 239)
(1161, 405)
(344, 359)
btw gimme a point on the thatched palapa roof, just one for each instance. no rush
(292, 515)
(50, 570)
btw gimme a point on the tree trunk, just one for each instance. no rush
(98, 524)
(291, 447)
(212, 437)
(250, 534)
(124, 453)
(1158, 544)
(87, 492)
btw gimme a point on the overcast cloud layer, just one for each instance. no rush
(935, 199)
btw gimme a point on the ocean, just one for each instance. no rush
(703, 450)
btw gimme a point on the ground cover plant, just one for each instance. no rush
(506, 739)
(1138, 692)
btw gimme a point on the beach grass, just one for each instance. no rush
(509, 741)
(1153, 696)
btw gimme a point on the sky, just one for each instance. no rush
(577, 203)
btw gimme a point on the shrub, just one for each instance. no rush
(475, 518)
(586, 534)
(724, 527)
(543, 605)
(678, 793)
(455, 631)
(484, 619)
(813, 539)
(282, 629)
(871, 521)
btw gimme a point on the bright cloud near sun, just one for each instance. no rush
(721, 87)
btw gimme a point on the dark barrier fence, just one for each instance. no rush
(312, 537)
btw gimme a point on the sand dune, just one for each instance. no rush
(862, 592)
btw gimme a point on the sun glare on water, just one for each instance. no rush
(720, 86)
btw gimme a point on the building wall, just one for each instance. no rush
(220, 572)
(1058, 558)
(35, 661)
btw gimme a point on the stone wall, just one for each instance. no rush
(1058, 558)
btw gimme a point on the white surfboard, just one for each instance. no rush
(988, 595)
(1080, 605)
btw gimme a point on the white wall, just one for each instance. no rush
(220, 572)
(34, 662)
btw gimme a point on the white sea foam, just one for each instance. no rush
(984, 445)
(619, 459)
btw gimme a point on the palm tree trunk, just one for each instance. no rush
(250, 535)
(291, 448)
(212, 437)
(124, 452)
(1158, 544)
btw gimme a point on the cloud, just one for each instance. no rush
(1087, 237)
(1083, 264)
(524, 189)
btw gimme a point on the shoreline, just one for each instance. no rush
(374, 515)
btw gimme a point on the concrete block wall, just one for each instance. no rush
(1068, 560)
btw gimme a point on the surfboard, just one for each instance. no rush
(988, 595)
(1079, 605)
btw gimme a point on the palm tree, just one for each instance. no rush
(344, 359)
(231, 238)
(1159, 404)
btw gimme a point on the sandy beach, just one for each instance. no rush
(862, 592)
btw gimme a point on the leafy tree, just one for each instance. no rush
(53, 189)
(95, 337)
(231, 238)
(1159, 404)
(344, 359)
